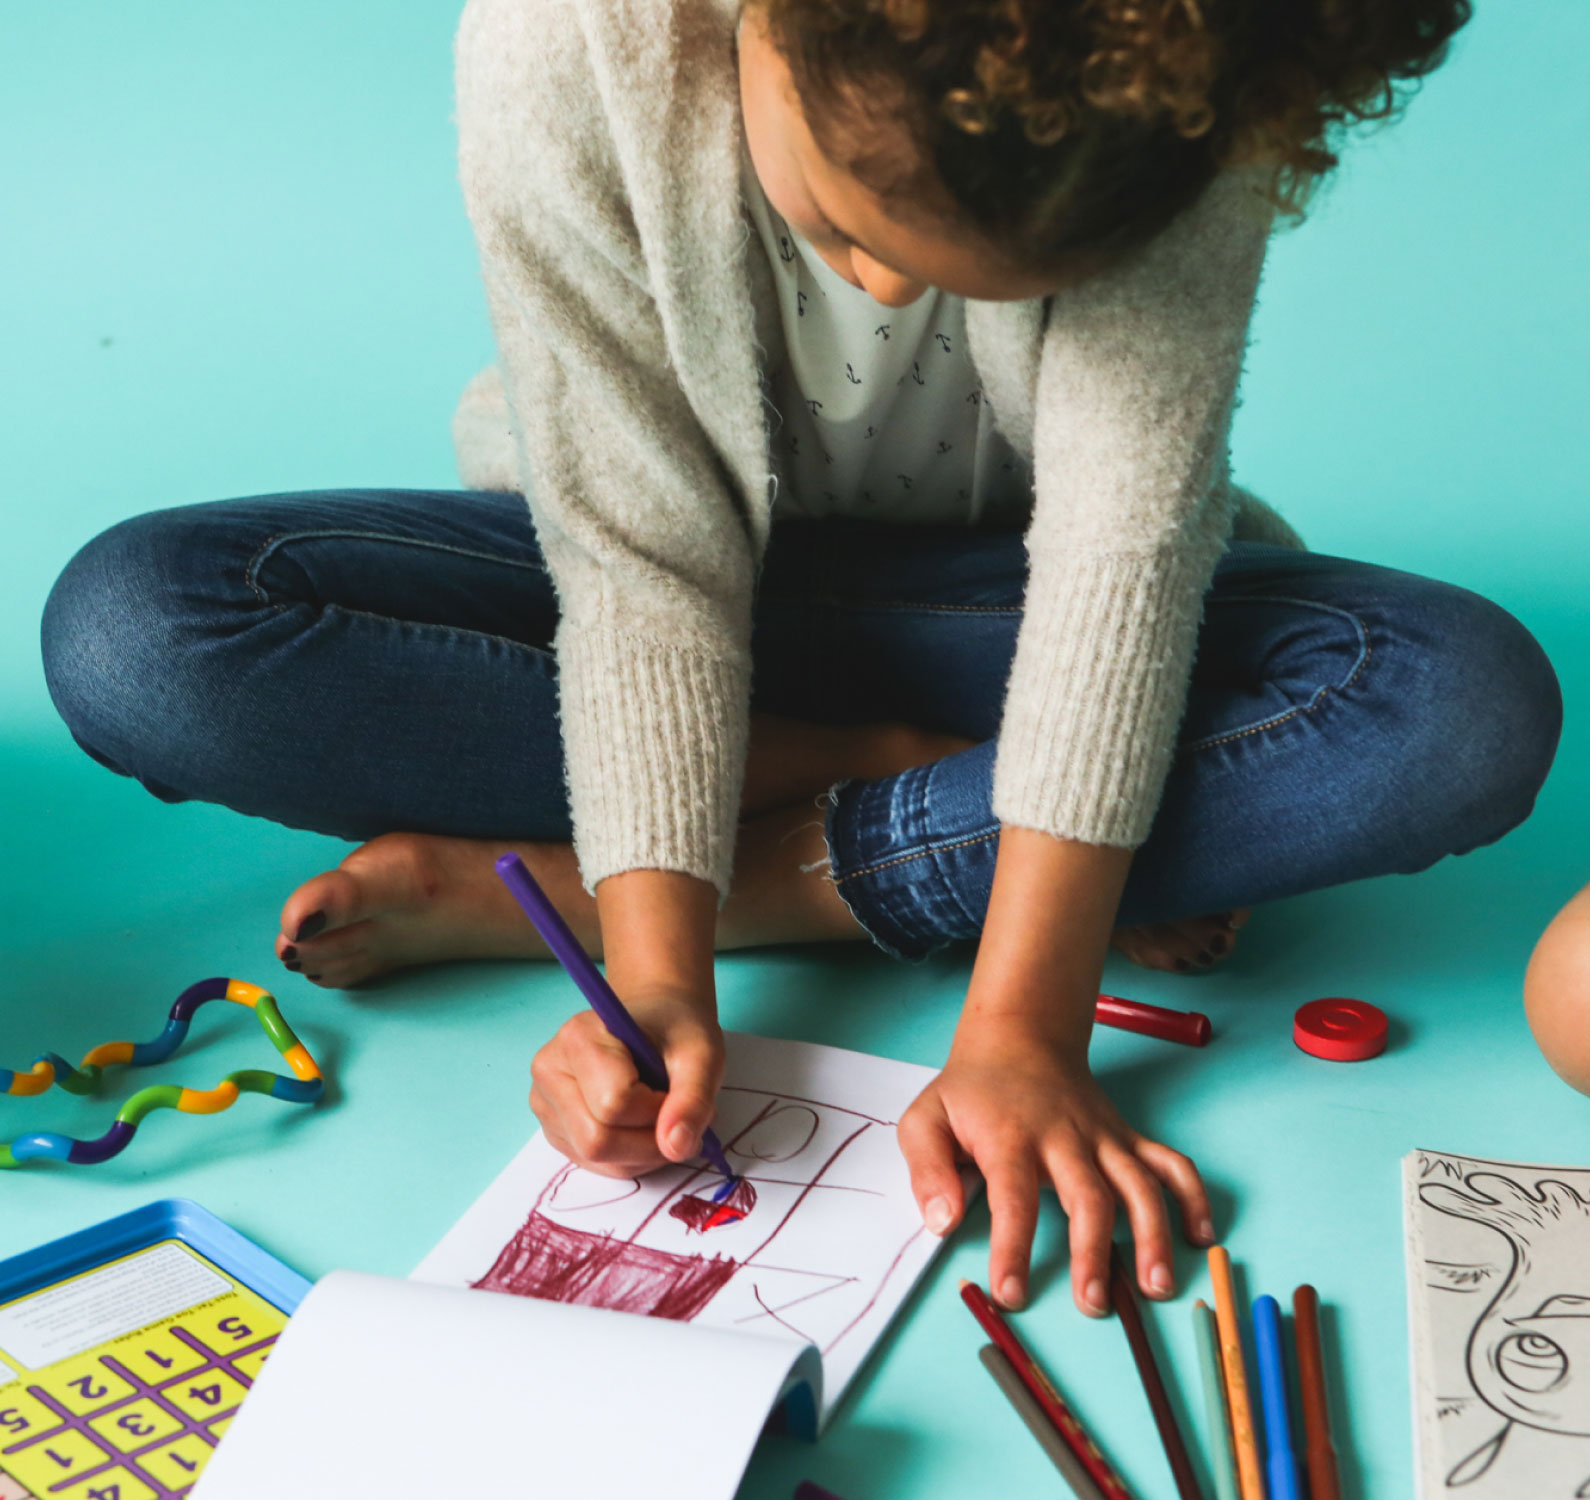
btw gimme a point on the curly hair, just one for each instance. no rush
(1075, 130)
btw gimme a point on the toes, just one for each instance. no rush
(1144, 947)
(342, 958)
(318, 907)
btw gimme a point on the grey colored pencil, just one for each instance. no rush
(1038, 1423)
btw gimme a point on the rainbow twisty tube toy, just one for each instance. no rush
(304, 1087)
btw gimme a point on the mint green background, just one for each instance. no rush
(234, 261)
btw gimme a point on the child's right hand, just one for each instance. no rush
(590, 1101)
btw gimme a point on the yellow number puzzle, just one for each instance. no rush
(116, 1383)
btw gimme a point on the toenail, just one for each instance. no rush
(1218, 945)
(315, 977)
(289, 954)
(1182, 966)
(296, 968)
(312, 926)
(1205, 957)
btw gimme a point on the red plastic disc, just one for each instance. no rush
(1340, 1030)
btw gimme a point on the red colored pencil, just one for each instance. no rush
(1004, 1337)
(1126, 1308)
(1189, 1027)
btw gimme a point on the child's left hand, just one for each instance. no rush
(1028, 1110)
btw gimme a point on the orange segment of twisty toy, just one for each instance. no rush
(208, 1101)
(1341, 1030)
(241, 992)
(35, 1081)
(109, 1054)
(298, 1059)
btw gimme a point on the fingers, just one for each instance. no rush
(1139, 1190)
(695, 1067)
(1185, 1184)
(1013, 1205)
(929, 1147)
(1090, 1210)
(591, 1102)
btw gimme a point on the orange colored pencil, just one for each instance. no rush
(1250, 1473)
(1004, 1337)
(1323, 1481)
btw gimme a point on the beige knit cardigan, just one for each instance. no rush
(635, 318)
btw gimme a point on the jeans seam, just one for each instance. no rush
(251, 572)
(904, 859)
(251, 577)
(1308, 708)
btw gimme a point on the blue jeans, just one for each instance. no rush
(358, 662)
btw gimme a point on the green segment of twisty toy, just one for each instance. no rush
(304, 1087)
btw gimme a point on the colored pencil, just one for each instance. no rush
(1027, 1408)
(1044, 1393)
(1131, 1316)
(1323, 1481)
(1270, 1355)
(1250, 1474)
(577, 964)
(1221, 1460)
(1189, 1027)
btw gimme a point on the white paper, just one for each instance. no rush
(826, 1256)
(381, 1387)
(64, 1320)
(1499, 1304)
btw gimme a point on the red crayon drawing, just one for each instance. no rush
(702, 1213)
(767, 1253)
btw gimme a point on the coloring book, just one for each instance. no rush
(602, 1334)
(1499, 1307)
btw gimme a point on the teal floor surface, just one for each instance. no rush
(235, 262)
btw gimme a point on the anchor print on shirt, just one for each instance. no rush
(944, 341)
(786, 251)
(850, 374)
(882, 331)
(800, 304)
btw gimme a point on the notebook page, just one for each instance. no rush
(1499, 1292)
(821, 1246)
(387, 1387)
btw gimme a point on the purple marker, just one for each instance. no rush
(608, 1007)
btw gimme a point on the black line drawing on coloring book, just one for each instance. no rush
(1528, 1353)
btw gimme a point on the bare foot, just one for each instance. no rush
(1184, 947)
(408, 899)
(405, 899)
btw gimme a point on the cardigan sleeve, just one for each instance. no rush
(650, 546)
(1136, 387)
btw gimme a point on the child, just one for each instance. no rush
(868, 365)
(1557, 992)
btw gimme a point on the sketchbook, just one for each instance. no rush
(601, 1334)
(1499, 1307)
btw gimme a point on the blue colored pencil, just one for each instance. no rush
(577, 963)
(1282, 1462)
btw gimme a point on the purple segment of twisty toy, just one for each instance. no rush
(806, 1490)
(91, 1153)
(608, 1007)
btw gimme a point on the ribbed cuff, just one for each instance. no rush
(1096, 694)
(654, 741)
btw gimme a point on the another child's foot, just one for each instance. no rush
(405, 899)
(1184, 947)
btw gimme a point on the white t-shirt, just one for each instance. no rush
(881, 411)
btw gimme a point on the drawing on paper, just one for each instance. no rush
(1506, 1261)
(764, 1257)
